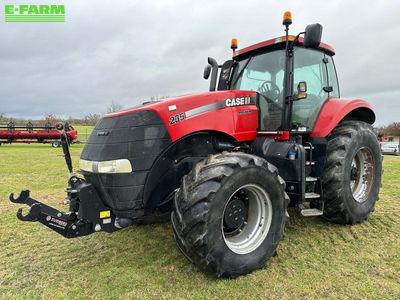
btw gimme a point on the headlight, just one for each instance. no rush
(109, 166)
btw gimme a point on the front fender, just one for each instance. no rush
(335, 110)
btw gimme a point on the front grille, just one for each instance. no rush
(140, 137)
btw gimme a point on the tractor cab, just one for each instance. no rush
(293, 77)
(262, 69)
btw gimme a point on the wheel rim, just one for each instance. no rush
(247, 219)
(362, 174)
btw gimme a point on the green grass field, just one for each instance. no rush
(83, 132)
(317, 259)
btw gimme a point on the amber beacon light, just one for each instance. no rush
(234, 45)
(287, 18)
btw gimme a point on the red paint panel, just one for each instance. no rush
(200, 114)
(245, 120)
(255, 46)
(274, 41)
(333, 111)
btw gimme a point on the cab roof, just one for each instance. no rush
(276, 43)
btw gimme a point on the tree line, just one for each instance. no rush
(89, 119)
(392, 129)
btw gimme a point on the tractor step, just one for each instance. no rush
(311, 212)
(312, 195)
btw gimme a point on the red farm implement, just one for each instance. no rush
(30, 133)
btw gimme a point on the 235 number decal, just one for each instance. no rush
(176, 118)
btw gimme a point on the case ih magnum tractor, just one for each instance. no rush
(271, 133)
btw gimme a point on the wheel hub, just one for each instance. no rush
(362, 174)
(353, 173)
(247, 218)
(235, 213)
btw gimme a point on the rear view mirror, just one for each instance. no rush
(312, 36)
(207, 71)
(302, 87)
(301, 91)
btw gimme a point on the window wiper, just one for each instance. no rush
(241, 71)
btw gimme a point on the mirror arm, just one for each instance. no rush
(296, 39)
(296, 97)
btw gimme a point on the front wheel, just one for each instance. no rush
(229, 213)
(352, 174)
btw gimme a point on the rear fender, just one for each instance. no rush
(337, 110)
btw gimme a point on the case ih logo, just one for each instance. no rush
(237, 101)
(34, 13)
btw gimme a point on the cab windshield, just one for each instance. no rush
(264, 74)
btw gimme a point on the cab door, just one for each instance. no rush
(318, 71)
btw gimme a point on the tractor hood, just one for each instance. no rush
(124, 145)
(176, 112)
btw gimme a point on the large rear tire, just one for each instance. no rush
(352, 175)
(229, 213)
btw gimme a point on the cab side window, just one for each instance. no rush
(318, 71)
(332, 78)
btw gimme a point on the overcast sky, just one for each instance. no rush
(129, 51)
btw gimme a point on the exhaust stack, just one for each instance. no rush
(214, 73)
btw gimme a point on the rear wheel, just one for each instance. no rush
(352, 174)
(229, 213)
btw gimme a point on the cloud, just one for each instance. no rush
(130, 51)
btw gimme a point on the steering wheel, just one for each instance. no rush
(270, 90)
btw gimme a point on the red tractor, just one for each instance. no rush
(272, 132)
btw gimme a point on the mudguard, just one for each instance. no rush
(335, 110)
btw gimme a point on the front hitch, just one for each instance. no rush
(87, 212)
(66, 224)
